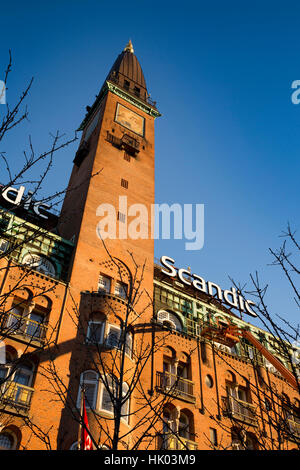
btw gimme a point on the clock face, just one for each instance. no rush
(129, 119)
(39, 263)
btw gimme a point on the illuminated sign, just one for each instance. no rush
(16, 197)
(231, 297)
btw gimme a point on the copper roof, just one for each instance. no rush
(128, 66)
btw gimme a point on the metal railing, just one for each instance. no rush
(174, 442)
(16, 395)
(239, 409)
(174, 385)
(24, 326)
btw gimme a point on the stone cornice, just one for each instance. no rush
(113, 88)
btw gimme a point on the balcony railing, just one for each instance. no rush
(15, 395)
(294, 426)
(176, 386)
(15, 324)
(173, 442)
(239, 409)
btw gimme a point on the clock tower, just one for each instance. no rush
(112, 179)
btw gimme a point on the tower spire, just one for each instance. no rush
(129, 47)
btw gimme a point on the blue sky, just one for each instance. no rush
(229, 134)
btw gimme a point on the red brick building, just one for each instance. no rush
(153, 356)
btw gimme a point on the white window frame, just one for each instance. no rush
(121, 289)
(104, 288)
(96, 392)
(129, 340)
(125, 412)
(97, 322)
(170, 318)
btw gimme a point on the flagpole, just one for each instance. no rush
(79, 443)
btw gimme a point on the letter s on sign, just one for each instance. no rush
(295, 95)
(164, 261)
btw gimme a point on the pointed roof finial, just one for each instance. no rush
(129, 47)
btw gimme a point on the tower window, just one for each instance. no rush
(124, 183)
(137, 91)
(126, 84)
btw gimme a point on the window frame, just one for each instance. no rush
(88, 339)
(104, 290)
(103, 389)
(96, 391)
(120, 340)
(123, 287)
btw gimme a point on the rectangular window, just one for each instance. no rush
(115, 339)
(106, 402)
(34, 327)
(121, 290)
(3, 245)
(104, 284)
(127, 157)
(95, 332)
(213, 436)
(90, 393)
(110, 391)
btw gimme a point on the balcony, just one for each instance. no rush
(130, 144)
(127, 143)
(240, 410)
(176, 386)
(15, 396)
(174, 442)
(30, 330)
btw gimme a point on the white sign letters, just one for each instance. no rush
(230, 297)
(16, 196)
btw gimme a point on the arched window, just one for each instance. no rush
(7, 441)
(26, 320)
(184, 426)
(39, 263)
(89, 387)
(169, 320)
(109, 393)
(74, 446)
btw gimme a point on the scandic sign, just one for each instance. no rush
(231, 297)
(15, 196)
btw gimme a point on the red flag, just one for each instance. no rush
(86, 441)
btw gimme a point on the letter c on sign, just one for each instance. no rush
(247, 302)
(181, 278)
